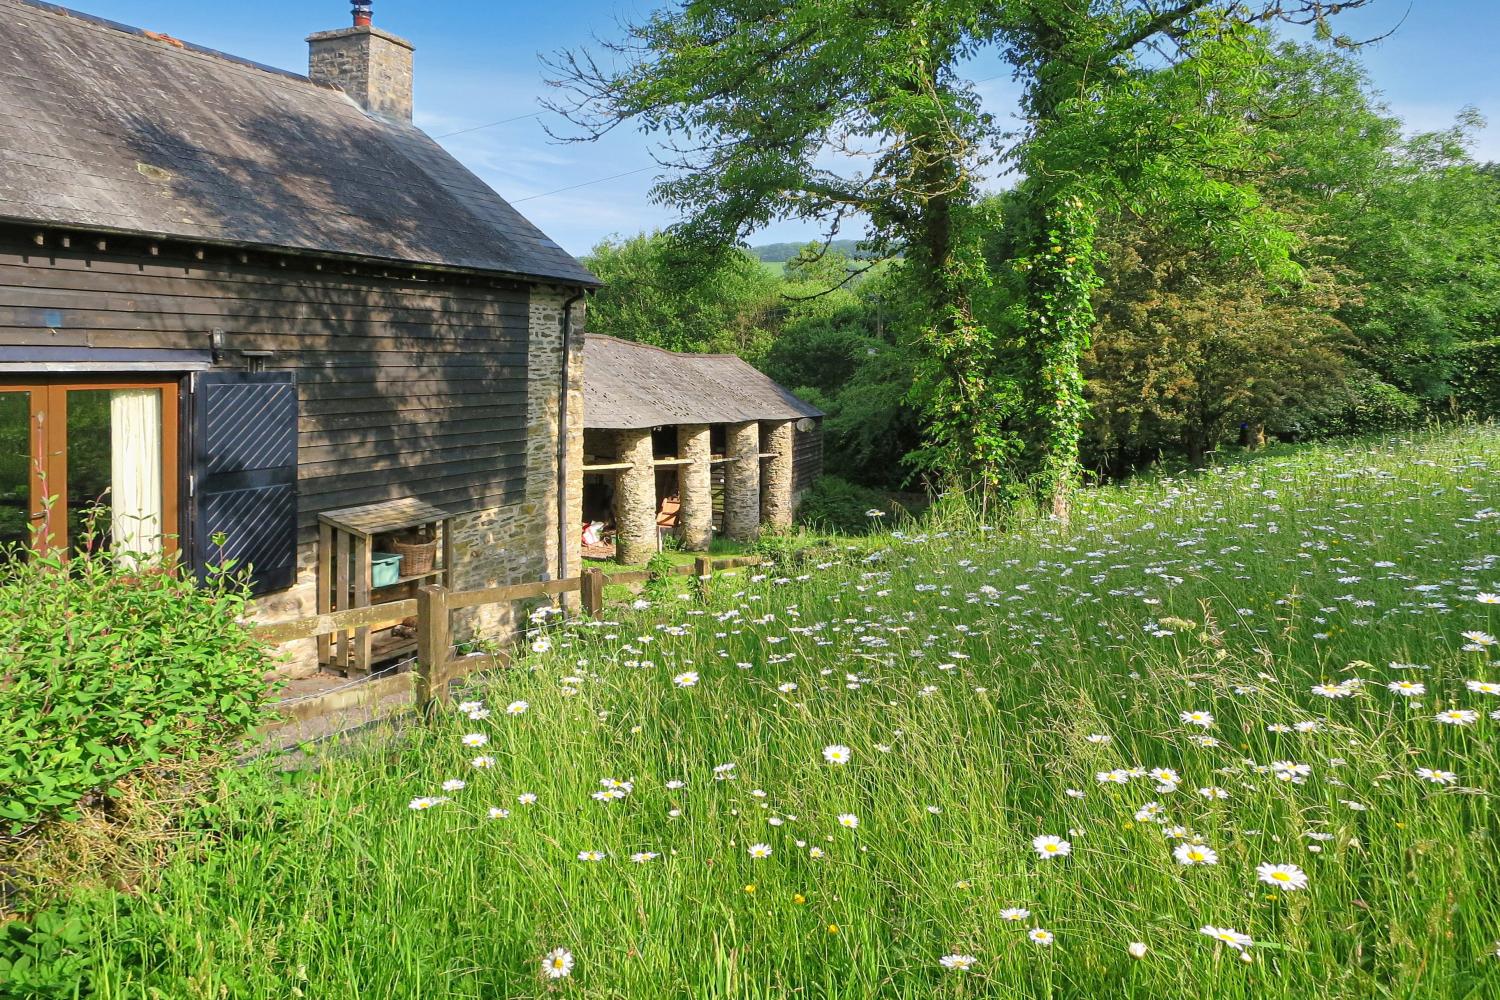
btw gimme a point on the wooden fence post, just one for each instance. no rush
(703, 568)
(433, 644)
(593, 592)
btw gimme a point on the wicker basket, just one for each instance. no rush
(417, 556)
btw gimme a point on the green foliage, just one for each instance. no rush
(786, 252)
(109, 667)
(657, 291)
(44, 957)
(984, 664)
(1477, 378)
(1189, 349)
(839, 506)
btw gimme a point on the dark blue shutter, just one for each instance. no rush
(245, 475)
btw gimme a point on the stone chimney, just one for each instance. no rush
(371, 66)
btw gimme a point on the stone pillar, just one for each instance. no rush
(635, 498)
(776, 477)
(695, 519)
(742, 483)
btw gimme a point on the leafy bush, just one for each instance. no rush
(43, 957)
(106, 667)
(1476, 380)
(835, 504)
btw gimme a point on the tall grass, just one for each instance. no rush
(982, 682)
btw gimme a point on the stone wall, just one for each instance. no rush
(373, 67)
(495, 546)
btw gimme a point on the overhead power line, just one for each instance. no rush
(571, 187)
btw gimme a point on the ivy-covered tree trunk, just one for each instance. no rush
(1060, 279)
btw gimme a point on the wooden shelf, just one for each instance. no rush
(435, 571)
(347, 540)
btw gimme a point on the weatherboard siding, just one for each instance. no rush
(406, 388)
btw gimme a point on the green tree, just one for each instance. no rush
(657, 291)
(748, 96)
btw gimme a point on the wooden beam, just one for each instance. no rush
(374, 616)
(514, 592)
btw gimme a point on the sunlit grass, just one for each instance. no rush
(966, 671)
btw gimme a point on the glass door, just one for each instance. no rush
(89, 464)
(18, 502)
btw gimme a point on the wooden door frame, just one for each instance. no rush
(49, 410)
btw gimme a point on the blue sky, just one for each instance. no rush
(477, 62)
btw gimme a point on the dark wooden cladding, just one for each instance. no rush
(406, 387)
(807, 457)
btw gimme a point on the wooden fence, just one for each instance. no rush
(434, 606)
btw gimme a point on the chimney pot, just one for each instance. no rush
(363, 15)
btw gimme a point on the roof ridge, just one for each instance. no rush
(661, 350)
(160, 38)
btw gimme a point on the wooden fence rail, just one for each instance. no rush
(434, 606)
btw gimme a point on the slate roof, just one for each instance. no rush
(632, 386)
(104, 128)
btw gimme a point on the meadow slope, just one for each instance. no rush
(1245, 719)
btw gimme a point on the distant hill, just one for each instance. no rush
(780, 253)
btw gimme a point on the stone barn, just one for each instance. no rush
(690, 444)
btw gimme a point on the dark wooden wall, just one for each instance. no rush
(407, 387)
(807, 456)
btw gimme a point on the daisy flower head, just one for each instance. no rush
(1457, 717)
(1015, 914)
(497, 813)
(958, 963)
(1436, 776)
(1479, 638)
(453, 785)
(1341, 690)
(1483, 687)
(424, 802)
(686, 679)
(1040, 936)
(848, 821)
(527, 798)
(482, 763)
(1203, 719)
(1195, 854)
(557, 963)
(642, 857)
(1227, 935)
(837, 754)
(1136, 949)
(516, 708)
(475, 739)
(591, 855)
(759, 851)
(1049, 846)
(1287, 878)
(1408, 689)
(1487, 598)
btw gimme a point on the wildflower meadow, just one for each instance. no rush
(1230, 735)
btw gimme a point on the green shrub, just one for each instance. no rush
(45, 956)
(1476, 378)
(105, 668)
(837, 505)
